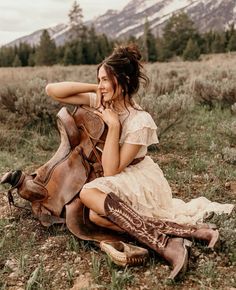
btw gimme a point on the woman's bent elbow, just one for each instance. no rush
(49, 90)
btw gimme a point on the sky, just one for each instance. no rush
(22, 17)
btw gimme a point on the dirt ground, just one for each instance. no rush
(35, 257)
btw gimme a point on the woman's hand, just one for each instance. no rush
(109, 117)
(99, 98)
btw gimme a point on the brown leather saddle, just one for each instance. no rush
(53, 189)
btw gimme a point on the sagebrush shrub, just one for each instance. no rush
(167, 109)
(213, 91)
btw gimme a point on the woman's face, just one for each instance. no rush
(105, 85)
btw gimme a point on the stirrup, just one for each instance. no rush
(124, 254)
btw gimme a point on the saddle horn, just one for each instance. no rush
(12, 178)
(27, 187)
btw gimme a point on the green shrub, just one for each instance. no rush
(167, 109)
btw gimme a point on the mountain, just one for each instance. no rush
(58, 33)
(206, 14)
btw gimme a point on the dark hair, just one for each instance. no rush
(124, 65)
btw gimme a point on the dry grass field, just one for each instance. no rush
(194, 106)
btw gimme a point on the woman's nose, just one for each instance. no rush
(100, 85)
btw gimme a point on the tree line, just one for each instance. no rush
(83, 45)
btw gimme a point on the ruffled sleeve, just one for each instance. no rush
(93, 100)
(139, 129)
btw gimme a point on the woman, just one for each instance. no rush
(134, 186)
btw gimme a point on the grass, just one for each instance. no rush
(197, 153)
(192, 171)
(191, 155)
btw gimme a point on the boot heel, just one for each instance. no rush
(181, 267)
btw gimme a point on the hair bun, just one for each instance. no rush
(130, 51)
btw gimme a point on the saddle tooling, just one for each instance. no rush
(53, 189)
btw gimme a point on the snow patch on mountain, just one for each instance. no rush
(206, 14)
(127, 29)
(65, 29)
(144, 5)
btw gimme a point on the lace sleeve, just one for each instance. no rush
(145, 136)
(141, 130)
(93, 100)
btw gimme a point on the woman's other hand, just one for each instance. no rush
(108, 116)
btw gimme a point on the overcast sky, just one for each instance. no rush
(21, 17)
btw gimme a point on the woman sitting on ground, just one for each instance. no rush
(133, 195)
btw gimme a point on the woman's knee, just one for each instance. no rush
(93, 199)
(83, 193)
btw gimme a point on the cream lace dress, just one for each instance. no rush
(143, 186)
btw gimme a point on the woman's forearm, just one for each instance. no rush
(67, 89)
(111, 151)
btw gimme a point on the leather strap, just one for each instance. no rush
(91, 138)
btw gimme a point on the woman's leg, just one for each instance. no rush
(173, 250)
(94, 200)
(103, 222)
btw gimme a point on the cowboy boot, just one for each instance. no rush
(201, 232)
(174, 250)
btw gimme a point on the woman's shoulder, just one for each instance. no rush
(139, 118)
(139, 128)
(139, 114)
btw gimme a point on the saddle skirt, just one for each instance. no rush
(53, 189)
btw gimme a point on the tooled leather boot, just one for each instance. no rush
(201, 232)
(174, 250)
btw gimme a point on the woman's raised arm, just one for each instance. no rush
(71, 92)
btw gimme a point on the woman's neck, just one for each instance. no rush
(120, 105)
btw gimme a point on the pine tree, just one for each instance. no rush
(92, 45)
(152, 49)
(76, 21)
(16, 62)
(218, 44)
(60, 53)
(104, 48)
(149, 43)
(178, 30)
(81, 53)
(229, 32)
(208, 39)
(46, 51)
(31, 59)
(7, 56)
(232, 42)
(69, 55)
(160, 49)
(192, 51)
(24, 50)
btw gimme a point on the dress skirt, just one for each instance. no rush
(144, 187)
